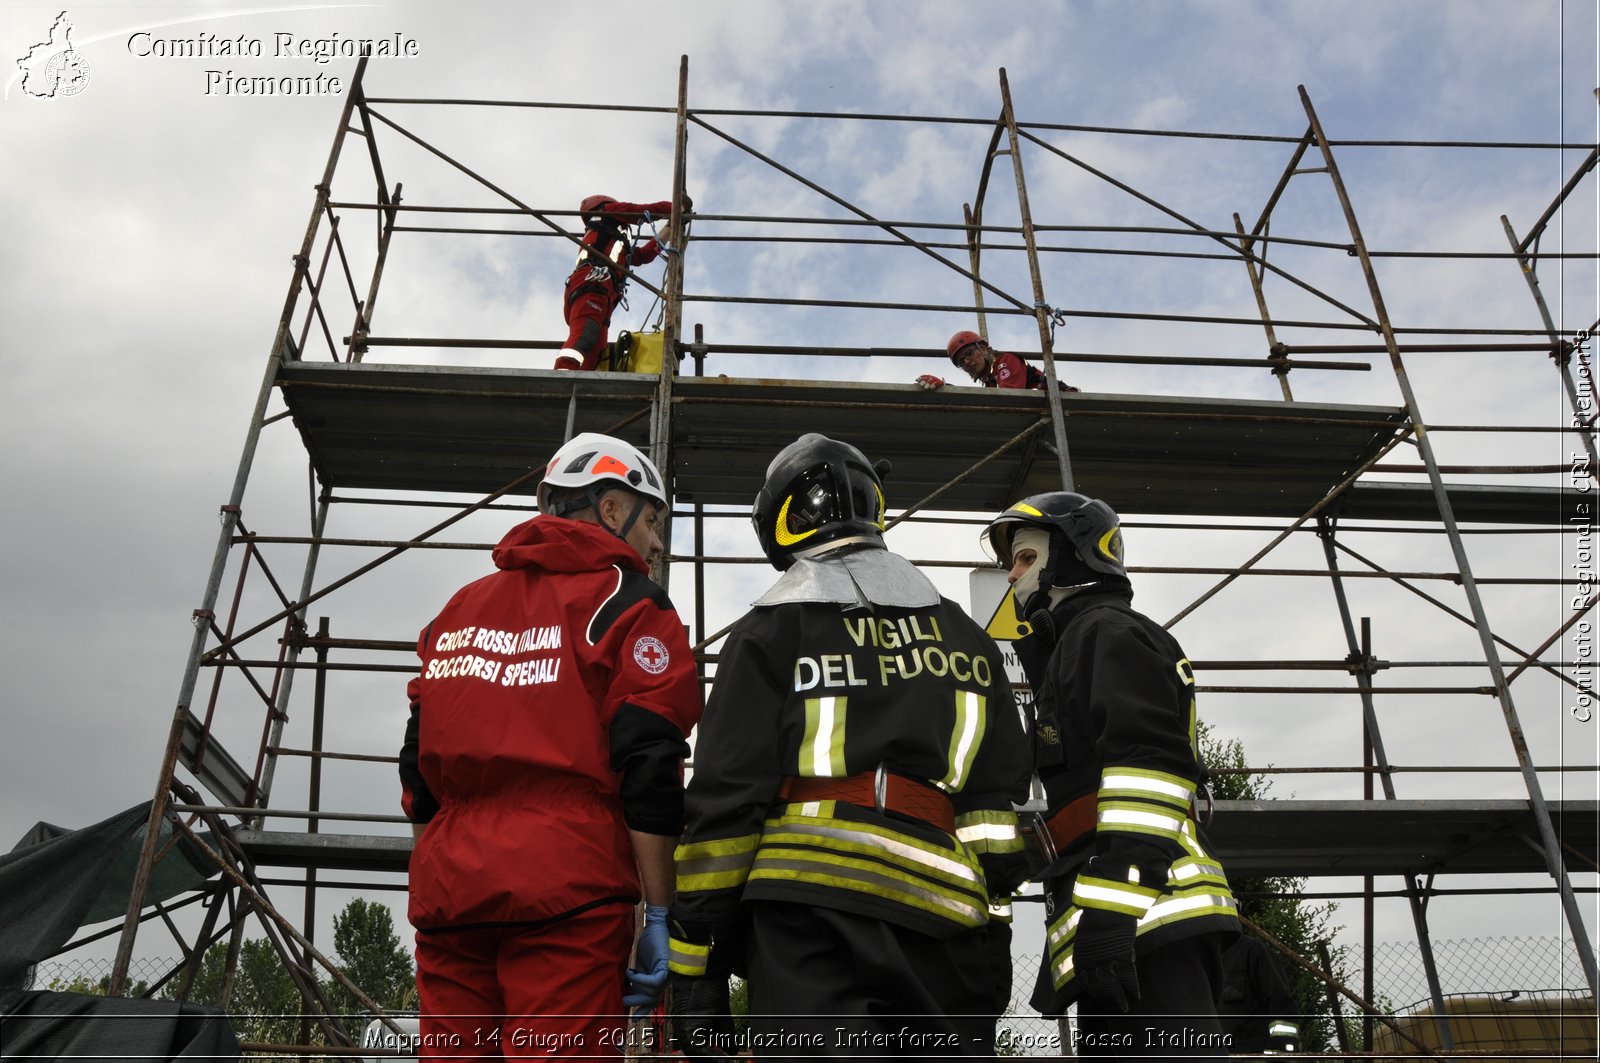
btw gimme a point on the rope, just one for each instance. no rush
(666, 248)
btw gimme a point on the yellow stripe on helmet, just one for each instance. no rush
(1111, 544)
(781, 530)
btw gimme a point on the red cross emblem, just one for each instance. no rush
(651, 655)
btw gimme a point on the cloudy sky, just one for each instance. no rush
(150, 217)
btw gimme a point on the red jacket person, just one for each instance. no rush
(989, 367)
(543, 767)
(597, 284)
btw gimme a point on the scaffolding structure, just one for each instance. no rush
(394, 425)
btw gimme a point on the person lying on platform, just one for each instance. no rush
(989, 367)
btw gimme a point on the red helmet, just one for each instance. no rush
(960, 342)
(591, 204)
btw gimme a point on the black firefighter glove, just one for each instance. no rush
(1102, 954)
(702, 1023)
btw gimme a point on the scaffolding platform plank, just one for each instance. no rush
(1252, 839)
(474, 430)
(1319, 838)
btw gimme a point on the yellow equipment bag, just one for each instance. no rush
(634, 352)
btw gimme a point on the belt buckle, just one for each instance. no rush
(880, 789)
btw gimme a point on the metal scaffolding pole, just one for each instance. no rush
(672, 317)
(1560, 350)
(1041, 309)
(1361, 659)
(1541, 811)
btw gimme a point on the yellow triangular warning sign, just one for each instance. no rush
(1005, 625)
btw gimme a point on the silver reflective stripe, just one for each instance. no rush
(1194, 869)
(822, 745)
(1178, 906)
(969, 718)
(1124, 817)
(986, 832)
(949, 866)
(710, 865)
(1163, 788)
(878, 883)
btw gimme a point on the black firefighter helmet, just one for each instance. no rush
(1085, 538)
(818, 490)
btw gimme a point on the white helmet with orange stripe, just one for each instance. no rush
(590, 464)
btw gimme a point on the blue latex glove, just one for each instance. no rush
(650, 952)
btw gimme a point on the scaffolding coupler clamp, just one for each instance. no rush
(1364, 664)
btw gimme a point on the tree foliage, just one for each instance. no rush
(370, 954)
(265, 1005)
(1276, 904)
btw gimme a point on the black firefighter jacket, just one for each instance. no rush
(818, 691)
(1114, 700)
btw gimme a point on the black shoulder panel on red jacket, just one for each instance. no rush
(635, 587)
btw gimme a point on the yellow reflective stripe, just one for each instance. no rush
(1195, 869)
(1138, 819)
(1191, 903)
(1066, 924)
(685, 957)
(1152, 785)
(864, 876)
(953, 866)
(1106, 895)
(972, 719)
(822, 746)
(715, 847)
(1173, 909)
(721, 863)
(990, 831)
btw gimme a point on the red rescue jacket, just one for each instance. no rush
(549, 717)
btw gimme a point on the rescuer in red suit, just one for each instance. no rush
(989, 367)
(543, 772)
(598, 284)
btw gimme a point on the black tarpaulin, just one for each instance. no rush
(55, 881)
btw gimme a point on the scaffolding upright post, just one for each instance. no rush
(1361, 659)
(1041, 310)
(1541, 811)
(672, 318)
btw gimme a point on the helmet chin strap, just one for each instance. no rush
(633, 514)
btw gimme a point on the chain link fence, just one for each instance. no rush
(1506, 968)
(1496, 966)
